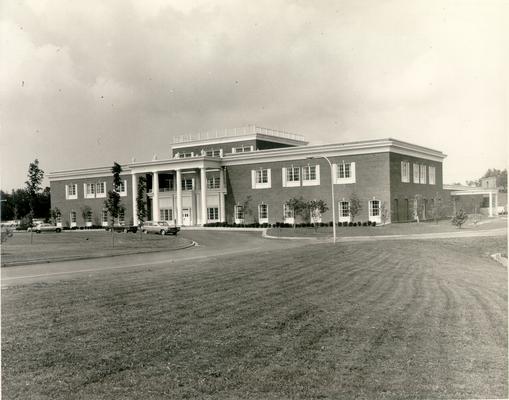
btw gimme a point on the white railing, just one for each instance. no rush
(246, 130)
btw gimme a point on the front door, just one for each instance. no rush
(186, 216)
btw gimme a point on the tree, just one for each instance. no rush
(459, 218)
(501, 178)
(436, 208)
(85, 212)
(355, 206)
(55, 214)
(33, 185)
(298, 207)
(418, 207)
(141, 204)
(112, 202)
(384, 213)
(316, 209)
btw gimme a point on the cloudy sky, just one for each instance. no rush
(84, 83)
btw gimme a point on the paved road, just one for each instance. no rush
(210, 244)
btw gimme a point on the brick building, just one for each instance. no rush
(246, 175)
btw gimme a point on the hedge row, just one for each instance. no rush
(285, 225)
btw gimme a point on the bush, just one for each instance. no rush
(373, 223)
(369, 223)
(365, 224)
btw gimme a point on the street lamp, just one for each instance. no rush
(332, 195)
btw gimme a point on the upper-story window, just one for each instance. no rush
(213, 153)
(416, 173)
(100, 189)
(423, 174)
(71, 191)
(431, 176)
(187, 184)
(344, 172)
(291, 176)
(310, 175)
(89, 189)
(242, 149)
(405, 171)
(260, 178)
(213, 182)
(122, 189)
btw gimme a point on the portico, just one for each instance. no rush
(185, 191)
(492, 198)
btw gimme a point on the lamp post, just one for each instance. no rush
(332, 195)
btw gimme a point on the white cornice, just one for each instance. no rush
(84, 173)
(243, 138)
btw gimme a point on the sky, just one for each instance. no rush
(86, 83)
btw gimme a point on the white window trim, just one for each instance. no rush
(170, 213)
(71, 196)
(87, 195)
(286, 182)
(208, 215)
(405, 171)
(431, 175)
(287, 220)
(124, 192)
(101, 195)
(265, 185)
(340, 181)
(371, 217)
(263, 220)
(311, 182)
(238, 220)
(417, 174)
(104, 223)
(341, 218)
(422, 174)
(73, 224)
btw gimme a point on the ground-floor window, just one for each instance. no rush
(72, 217)
(166, 214)
(374, 210)
(263, 213)
(288, 214)
(121, 217)
(316, 216)
(88, 218)
(238, 212)
(213, 214)
(344, 211)
(104, 218)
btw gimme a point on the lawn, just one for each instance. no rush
(24, 246)
(399, 319)
(389, 229)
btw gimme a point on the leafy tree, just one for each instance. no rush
(459, 218)
(85, 212)
(141, 204)
(55, 213)
(316, 209)
(112, 202)
(384, 213)
(298, 206)
(437, 208)
(501, 177)
(355, 206)
(33, 185)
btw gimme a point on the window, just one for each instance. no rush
(405, 171)
(238, 212)
(188, 154)
(187, 184)
(416, 173)
(213, 214)
(165, 214)
(263, 213)
(166, 184)
(121, 217)
(344, 172)
(100, 189)
(104, 217)
(213, 153)
(122, 189)
(310, 175)
(88, 218)
(431, 175)
(242, 149)
(71, 191)
(288, 214)
(423, 174)
(89, 189)
(344, 211)
(213, 182)
(72, 217)
(260, 178)
(291, 176)
(374, 210)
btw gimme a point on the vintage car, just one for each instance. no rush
(123, 228)
(160, 227)
(45, 227)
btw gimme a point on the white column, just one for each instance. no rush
(496, 203)
(135, 193)
(222, 215)
(155, 196)
(491, 204)
(203, 202)
(178, 183)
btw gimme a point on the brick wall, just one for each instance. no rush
(96, 204)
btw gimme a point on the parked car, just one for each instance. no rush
(161, 227)
(44, 227)
(123, 228)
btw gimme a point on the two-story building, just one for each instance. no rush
(247, 175)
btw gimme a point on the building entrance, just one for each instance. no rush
(186, 216)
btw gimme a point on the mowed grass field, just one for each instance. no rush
(385, 320)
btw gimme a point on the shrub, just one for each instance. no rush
(345, 223)
(350, 224)
(365, 224)
(373, 223)
(460, 218)
(369, 223)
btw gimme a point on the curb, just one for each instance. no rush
(77, 258)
